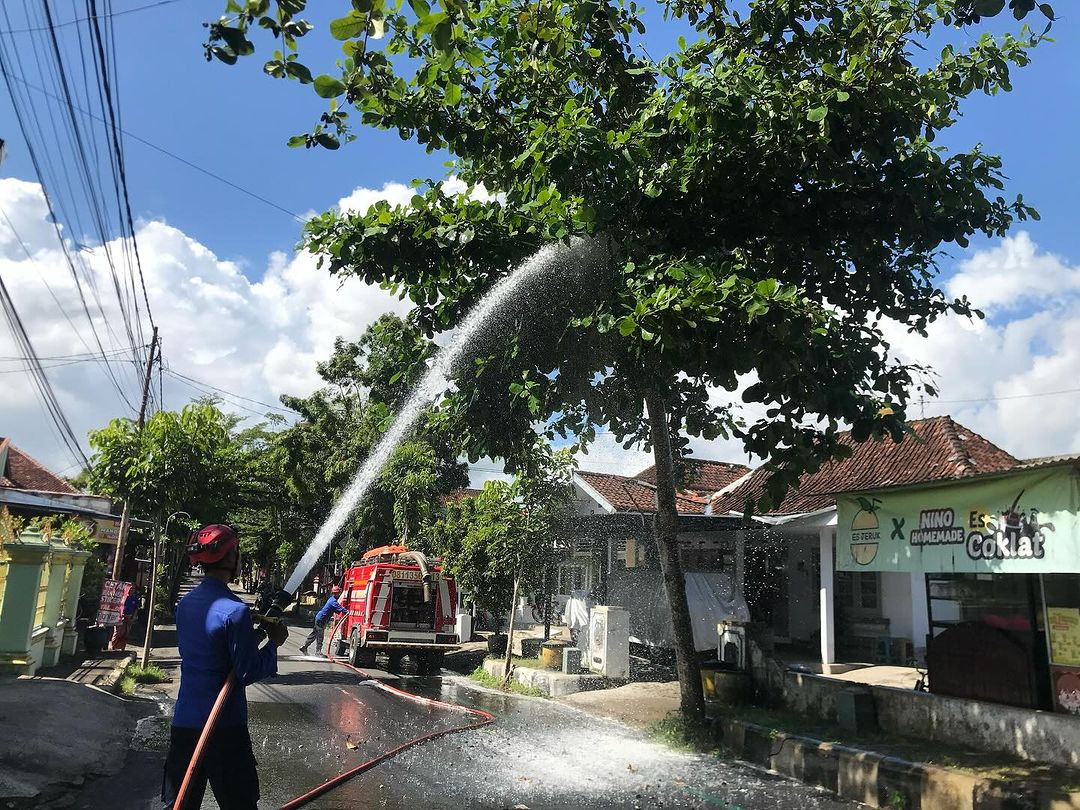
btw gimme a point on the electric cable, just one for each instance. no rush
(108, 16)
(24, 122)
(21, 80)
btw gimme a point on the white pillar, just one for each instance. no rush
(825, 597)
(920, 616)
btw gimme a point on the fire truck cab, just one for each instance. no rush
(398, 602)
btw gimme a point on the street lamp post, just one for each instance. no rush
(145, 658)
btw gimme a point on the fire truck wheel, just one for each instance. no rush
(430, 663)
(393, 661)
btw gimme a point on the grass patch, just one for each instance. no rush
(481, 676)
(675, 731)
(126, 685)
(147, 674)
(518, 661)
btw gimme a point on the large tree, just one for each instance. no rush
(181, 460)
(768, 193)
(340, 424)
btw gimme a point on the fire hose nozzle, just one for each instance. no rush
(281, 601)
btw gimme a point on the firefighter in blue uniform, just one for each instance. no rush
(216, 635)
(332, 607)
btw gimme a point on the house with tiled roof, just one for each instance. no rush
(613, 558)
(28, 488)
(790, 558)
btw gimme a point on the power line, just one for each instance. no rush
(110, 15)
(167, 153)
(191, 382)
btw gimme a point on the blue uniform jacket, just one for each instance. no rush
(215, 634)
(332, 606)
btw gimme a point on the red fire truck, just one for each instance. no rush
(398, 602)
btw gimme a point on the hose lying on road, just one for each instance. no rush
(341, 778)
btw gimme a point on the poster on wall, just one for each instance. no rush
(1023, 523)
(111, 606)
(1064, 626)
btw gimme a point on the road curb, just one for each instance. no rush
(877, 780)
(110, 680)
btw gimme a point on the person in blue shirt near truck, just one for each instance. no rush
(216, 635)
(331, 608)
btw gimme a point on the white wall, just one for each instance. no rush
(896, 602)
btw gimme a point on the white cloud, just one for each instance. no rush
(1012, 275)
(986, 371)
(261, 334)
(257, 337)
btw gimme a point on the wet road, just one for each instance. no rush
(317, 719)
(538, 754)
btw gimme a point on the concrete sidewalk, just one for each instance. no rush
(880, 772)
(56, 734)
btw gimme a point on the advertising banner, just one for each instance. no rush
(1025, 523)
(111, 606)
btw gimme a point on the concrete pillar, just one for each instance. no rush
(920, 613)
(826, 610)
(26, 559)
(71, 600)
(54, 603)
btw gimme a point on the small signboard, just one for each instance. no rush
(111, 606)
(105, 530)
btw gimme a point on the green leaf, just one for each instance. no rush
(327, 141)
(817, 113)
(988, 8)
(647, 335)
(440, 37)
(298, 140)
(626, 326)
(453, 95)
(298, 71)
(328, 87)
(350, 26)
(842, 95)
(420, 8)
(1047, 11)
(274, 68)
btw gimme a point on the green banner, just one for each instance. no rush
(1023, 523)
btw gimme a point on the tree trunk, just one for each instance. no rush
(510, 634)
(691, 699)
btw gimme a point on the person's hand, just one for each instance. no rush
(277, 632)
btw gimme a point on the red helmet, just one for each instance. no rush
(335, 590)
(211, 543)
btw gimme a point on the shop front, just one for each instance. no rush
(1000, 557)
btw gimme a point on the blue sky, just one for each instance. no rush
(217, 257)
(235, 121)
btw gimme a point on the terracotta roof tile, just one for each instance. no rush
(632, 495)
(702, 476)
(941, 449)
(20, 471)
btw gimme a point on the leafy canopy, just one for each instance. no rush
(768, 193)
(181, 460)
(506, 532)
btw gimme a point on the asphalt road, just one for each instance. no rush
(317, 719)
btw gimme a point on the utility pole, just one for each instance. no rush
(125, 518)
(152, 601)
(152, 597)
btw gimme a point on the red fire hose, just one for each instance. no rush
(341, 778)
